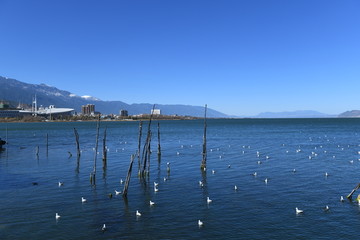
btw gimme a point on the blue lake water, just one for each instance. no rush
(255, 211)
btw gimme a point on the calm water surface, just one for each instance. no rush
(255, 211)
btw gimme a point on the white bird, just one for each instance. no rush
(201, 184)
(208, 200)
(57, 216)
(200, 223)
(259, 162)
(236, 188)
(266, 180)
(326, 174)
(156, 184)
(61, 184)
(298, 211)
(294, 170)
(121, 181)
(165, 179)
(151, 203)
(83, 199)
(138, 214)
(103, 228)
(156, 189)
(254, 174)
(213, 171)
(341, 199)
(117, 192)
(326, 208)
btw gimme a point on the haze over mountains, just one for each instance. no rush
(20, 92)
(294, 114)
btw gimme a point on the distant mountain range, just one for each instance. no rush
(347, 114)
(294, 114)
(15, 91)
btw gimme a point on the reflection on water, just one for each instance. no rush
(254, 211)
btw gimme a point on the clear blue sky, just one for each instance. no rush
(241, 57)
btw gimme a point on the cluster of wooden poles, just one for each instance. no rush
(143, 155)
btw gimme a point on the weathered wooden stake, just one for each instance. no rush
(77, 143)
(352, 192)
(147, 150)
(104, 157)
(6, 135)
(37, 150)
(148, 157)
(96, 149)
(204, 154)
(139, 148)
(128, 177)
(47, 144)
(159, 146)
(145, 154)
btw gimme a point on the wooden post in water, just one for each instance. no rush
(145, 155)
(77, 143)
(147, 150)
(37, 151)
(204, 154)
(47, 144)
(93, 177)
(148, 157)
(104, 156)
(127, 181)
(159, 146)
(6, 135)
(352, 192)
(139, 148)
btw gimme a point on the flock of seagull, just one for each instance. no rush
(201, 184)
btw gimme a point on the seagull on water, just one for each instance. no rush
(326, 174)
(254, 174)
(200, 223)
(83, 199)
(201, 184)
(61, 184)
(57, 216)
(236, 188)
(156, 189)
(156, 184)
(326, 208)
(121, 181)
(117, 192)
(298, 211)
(208, 200)
(266, 180)
(341, 199)
(213, 171)
(138, 214)
(151, 203)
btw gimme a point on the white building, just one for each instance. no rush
(155, 111)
